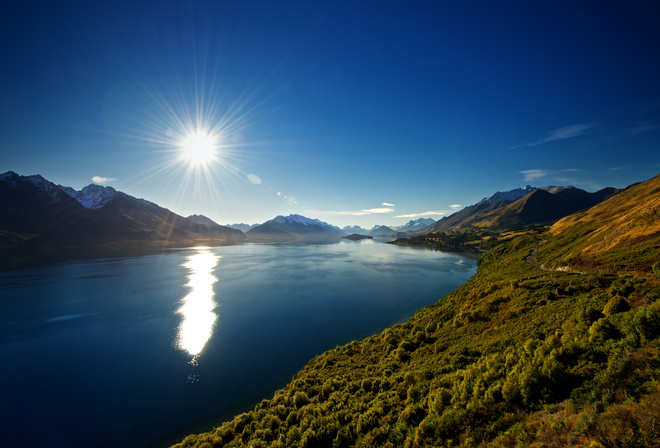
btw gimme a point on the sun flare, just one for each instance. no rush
(199, 148)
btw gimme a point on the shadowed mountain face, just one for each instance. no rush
(540, 206)
(32, 206)
(39, 214)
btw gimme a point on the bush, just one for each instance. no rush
(300, 399)
(602, 330)
(615, 305)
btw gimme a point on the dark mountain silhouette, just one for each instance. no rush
(38, 215)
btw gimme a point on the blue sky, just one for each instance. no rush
(367, 112)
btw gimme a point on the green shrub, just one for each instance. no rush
(602, 330)
(615, 305)
(300, 399)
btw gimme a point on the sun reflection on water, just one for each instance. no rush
(197, 309)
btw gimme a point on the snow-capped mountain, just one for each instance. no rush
(294, 226)
(39, 216)
(36, 181)
(95, 196)
(417, 224)
(304, 221)
(92, 196)
(508, 196)
(522, 207)
(354, 229)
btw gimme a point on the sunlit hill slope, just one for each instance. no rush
(621, 234)
(516, 357)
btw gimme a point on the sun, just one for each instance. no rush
(199, 148)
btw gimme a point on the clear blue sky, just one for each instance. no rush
(360, 112)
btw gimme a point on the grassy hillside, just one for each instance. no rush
(516, 357)
(621, 234)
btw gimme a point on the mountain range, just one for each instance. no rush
(294, 227)
(521, 207)
(242, 226)
(380, 230)
(39, 216)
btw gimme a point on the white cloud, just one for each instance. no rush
(532, 175)
(419, 215)
(385, 204)
(370, 211)
(455, 206)
(567, 176)
(102, 180)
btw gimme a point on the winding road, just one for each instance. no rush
(532, 260)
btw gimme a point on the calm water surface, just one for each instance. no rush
(142, 351)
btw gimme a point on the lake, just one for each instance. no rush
(141, 351)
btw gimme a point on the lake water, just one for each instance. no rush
(141, 351)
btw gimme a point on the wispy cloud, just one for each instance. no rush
(620, 167)
(419, 215)
(570, 131)
(369, 211)
(552, 175)
(386, 204)
(532, 175)
(455, 206)
(102, 180)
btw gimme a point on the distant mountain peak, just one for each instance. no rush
(242, 226)
(92, 196)
(510, 196)
(354, 229)
(294, 225)
(413, 225)
(35, 181)
(521, 207)
(299, 219)
(381, 231)
(203, 220)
